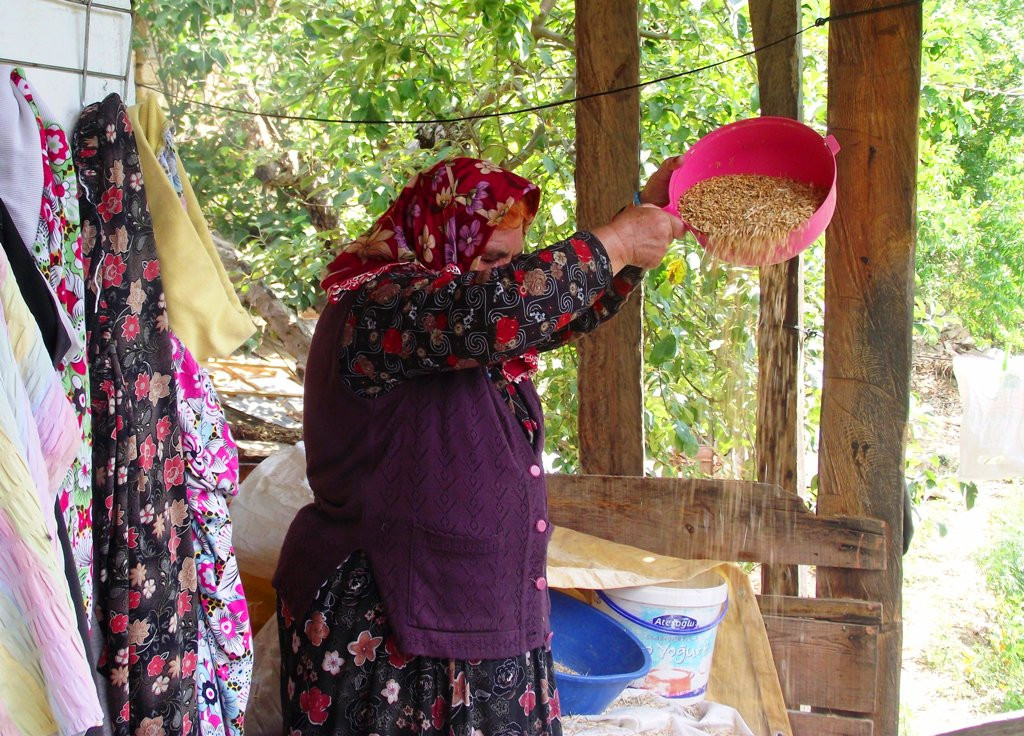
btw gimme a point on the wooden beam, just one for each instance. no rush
(607, 166)
(245, 468)
(824, 664)
(1005, 724)
(261, 599)
(712, 519)
(778, 67)
(837, 610)
(805, 634)
(874, 66)
(820, 724)
(779, 444)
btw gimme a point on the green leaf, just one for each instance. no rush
(741, 26)
(970, 494)
(407, 89)
(664, 350)
(346, 59)
(685, 438)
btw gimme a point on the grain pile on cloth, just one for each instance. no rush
(746, 215)
(642, 713)
(743, 674)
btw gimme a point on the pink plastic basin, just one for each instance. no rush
(766, 146)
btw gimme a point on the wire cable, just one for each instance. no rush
(818, 23)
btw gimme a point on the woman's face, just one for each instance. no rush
(503, 246)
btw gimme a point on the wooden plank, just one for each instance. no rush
(607, 166)
(874, 68)
(819, 724)
(241, 377)
(712, 519)
(244, 468)
(779, 443)
(1005, 724)
(261, 598)
(825, 664)
(837, 610)
(260, 393)
(264, 366)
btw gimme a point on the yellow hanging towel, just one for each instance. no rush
(202, 306)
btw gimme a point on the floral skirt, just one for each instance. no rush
(342, 674)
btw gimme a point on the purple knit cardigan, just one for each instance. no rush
(437, 482)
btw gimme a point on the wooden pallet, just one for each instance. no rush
(825, 649)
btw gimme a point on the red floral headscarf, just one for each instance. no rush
(442, 219)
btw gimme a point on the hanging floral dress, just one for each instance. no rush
(58, 253)
(224, 670)
(145, 563)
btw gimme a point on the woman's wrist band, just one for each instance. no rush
(635, 203)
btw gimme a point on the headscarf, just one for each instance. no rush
(442, 220)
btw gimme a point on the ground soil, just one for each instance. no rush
(947, 610)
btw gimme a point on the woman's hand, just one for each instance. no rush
(639, 236)
(655, 191)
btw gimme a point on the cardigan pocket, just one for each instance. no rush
(445, 591)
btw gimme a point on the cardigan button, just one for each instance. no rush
(535, 471)
(541, 583)
(541, 526)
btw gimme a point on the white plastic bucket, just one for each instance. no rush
(677, 622)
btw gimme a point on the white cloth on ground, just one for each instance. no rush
(643, 712)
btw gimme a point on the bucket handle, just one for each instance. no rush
(832, 144)
(647, 625)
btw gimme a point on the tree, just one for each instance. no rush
(289, 190)
(971, 198)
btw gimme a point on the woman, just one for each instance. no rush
(412, 594)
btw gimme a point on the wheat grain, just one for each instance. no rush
(747, 217)
(566, 670)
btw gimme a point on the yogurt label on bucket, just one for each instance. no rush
(683, 654)
(680, 623)
(681, 642)
(681, 663)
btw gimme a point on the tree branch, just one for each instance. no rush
(539, 30)
(282, 321)
(514, 162)
(1013, 93)
(538, 133)
(291, 174)
(644, 33)
(543, 32)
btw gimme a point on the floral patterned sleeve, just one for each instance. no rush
(408, 322)
(605, 307)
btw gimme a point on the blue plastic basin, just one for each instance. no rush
(607, 656)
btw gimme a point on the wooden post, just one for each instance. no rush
(607, 166)
(779, 356)
(874, 67)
